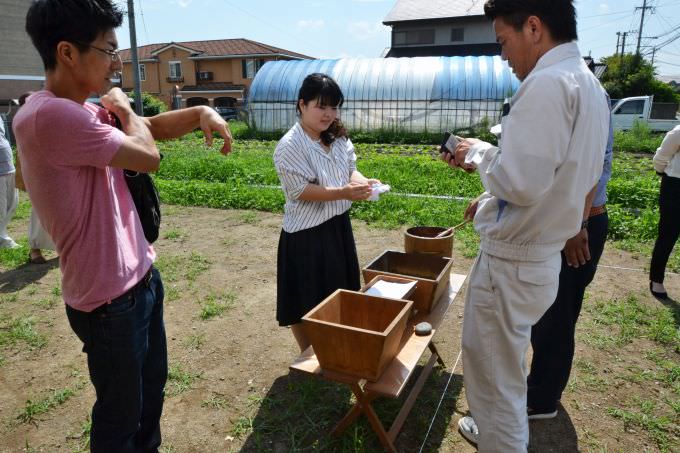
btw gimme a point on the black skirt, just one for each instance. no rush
(313, 263)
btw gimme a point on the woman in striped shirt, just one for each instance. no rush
(316, 164)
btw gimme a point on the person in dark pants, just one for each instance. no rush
(552, 338)
(666, 164)
(72, 157)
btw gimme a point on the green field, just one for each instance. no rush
(195, 176)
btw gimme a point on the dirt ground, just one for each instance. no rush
(227, 365)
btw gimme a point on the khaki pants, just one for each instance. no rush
(37, 236)
(9, 199)
(504, 299)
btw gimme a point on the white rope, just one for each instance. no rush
(630, 269)
(440, 402)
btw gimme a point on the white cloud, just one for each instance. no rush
(603, 8)
(369, 1)
(316, 24)
(362, 30)
(184, 3)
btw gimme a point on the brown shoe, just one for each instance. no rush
(36, 259)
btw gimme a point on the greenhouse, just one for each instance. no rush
(403, 94)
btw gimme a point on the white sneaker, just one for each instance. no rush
(468, 428)
(8, 243)
(535, 415)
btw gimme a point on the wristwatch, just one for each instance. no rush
(584, 224)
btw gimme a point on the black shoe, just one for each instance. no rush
(541, 414)
(659, 295)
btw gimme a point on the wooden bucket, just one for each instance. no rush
(422, 240)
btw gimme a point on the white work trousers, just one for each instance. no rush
(504, 299)
(9, 198)
(37, 236)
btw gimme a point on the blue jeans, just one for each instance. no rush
(128, 363)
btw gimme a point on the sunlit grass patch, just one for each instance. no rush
(180, 380)
(215, 305)
(33, 409)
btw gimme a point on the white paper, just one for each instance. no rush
(377, 189)
(390, 289)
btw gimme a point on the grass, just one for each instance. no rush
(641, 414)
(173, 267)
(33, 409)
(214, 305)
(180, 380)
(628, 319)
(195, 341)
(20, 329)
(216, 401)
(298, 412)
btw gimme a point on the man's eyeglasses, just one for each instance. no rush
(114, 54)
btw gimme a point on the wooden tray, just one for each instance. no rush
(356, 334)
(432, 273)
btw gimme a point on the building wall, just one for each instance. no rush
(226, 70)
(20, 63)
(476, 31)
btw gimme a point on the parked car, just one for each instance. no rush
(228, 113)
(659, 116)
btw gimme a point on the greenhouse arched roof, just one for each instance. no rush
(388, 92)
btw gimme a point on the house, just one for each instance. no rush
(440, 28)
(216, 73)
(21, 68)
(598, 69)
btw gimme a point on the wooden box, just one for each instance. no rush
(356, 334)
(432, 273)
(406, 295)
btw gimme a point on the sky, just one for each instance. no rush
(353, 28)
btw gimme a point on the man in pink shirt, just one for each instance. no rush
(72, 160)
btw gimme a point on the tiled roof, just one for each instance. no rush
(212, 86)
(215, 48)
(405, 10)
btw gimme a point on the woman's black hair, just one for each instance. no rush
(48, 22)
(326, 92)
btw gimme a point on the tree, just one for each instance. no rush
(632, 75)
(151, 105)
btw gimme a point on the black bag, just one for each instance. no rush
(147, 202)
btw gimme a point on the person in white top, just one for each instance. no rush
(667, 164)
(9, 196)
(316, 164)
(550, 156)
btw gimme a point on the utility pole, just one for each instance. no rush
(653, 53)
(135, 60)
(623, 43)
(618, 38)
(644, 8)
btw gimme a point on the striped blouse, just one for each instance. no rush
(299, 161)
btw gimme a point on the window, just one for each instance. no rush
(457, 34)
(411, 37)
(249, 67)
(142, 72)
(632, 108)
(175, 71)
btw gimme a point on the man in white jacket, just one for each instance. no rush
(549, 157)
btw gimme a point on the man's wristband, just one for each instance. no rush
(584, 224)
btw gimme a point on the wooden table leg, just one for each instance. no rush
(434, 351)
(363, 405)
(363, 399)
(411, 399)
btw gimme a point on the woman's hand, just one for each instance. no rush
(356, 191)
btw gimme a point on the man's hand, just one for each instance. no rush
(457, 158)
(356, 191)
(576, 249)
(116, 101)
(471, 209)
(212, 122)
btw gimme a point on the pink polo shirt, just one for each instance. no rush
(83, 203)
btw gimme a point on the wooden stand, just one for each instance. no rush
(396, 375)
